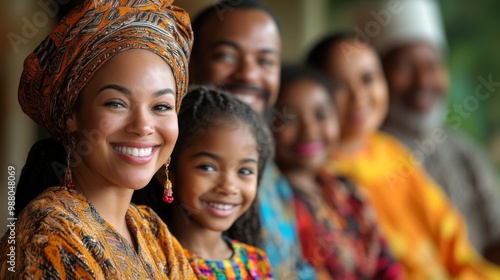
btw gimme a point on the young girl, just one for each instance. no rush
(425, 232)
(215, 169)
(337, 228)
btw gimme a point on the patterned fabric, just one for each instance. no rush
(339, 233)
(279, 237)
(247, 262)
(91, 34)
(465, 174)
(425, 233)
(60, 235)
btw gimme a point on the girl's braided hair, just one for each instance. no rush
(204, 108)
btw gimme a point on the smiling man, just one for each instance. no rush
(238, 48)
(413, 49)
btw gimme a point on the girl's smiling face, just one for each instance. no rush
(125, 122)
(304, 139)
(216, 180)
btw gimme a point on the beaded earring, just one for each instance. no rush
(168, 195)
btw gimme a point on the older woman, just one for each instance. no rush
(107, 82)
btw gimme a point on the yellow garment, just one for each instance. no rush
(60, 235)
(423, 229)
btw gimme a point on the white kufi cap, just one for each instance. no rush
(390, 24)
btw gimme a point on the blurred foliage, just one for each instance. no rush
(473, 32)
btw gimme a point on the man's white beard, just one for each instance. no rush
(416, 122)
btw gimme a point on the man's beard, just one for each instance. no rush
(419, 123)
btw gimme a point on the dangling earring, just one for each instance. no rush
(69, 145)
(168, 195)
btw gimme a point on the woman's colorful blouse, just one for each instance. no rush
(60, 235)
(339, 233)
(247, 262)
(424, 231)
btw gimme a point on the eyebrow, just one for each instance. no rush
(217, 157)
(249, 160)
(126, 91)
(236, 46)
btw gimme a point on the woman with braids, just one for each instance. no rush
(215, 169)
(107, 83)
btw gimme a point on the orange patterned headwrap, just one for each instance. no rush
(60, 67)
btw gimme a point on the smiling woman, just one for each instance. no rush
(134, 119)
(110, 95)
(423, 229)
(338, 231)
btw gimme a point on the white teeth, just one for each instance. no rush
(136, 152)
(219, 206)
(245, 98)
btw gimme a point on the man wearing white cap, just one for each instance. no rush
(410, 39)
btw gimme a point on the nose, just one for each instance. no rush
(423, 79)
(357, 95)
(227, 184)
(140, 122)
(308, 128)
(247, 71)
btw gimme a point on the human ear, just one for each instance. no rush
(446, 78)
(71, 123)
